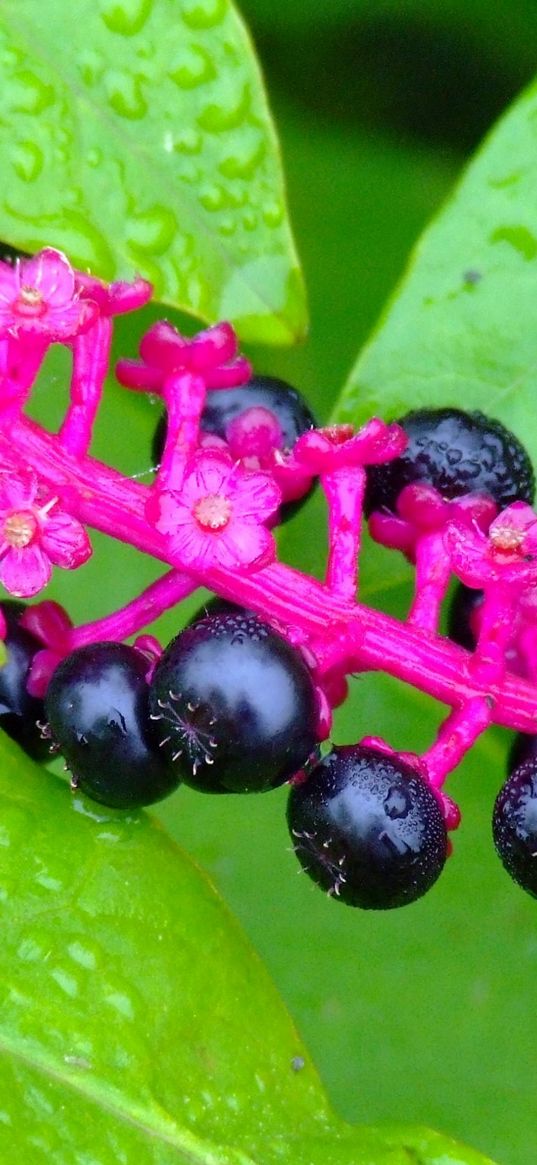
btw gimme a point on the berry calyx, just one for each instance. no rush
(514, 825)
(20, 713)
(97, 708)
(368, 829)
(457, 453)
(233, 705)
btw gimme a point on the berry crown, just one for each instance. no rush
(217, 494)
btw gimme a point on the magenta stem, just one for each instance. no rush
(495, 632)
(456, 736)
(344, 491)
(342, 637)
(128, 620)
(91, 354)
(184, 396)
(433, 572)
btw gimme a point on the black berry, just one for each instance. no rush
(20, 713)
(514, 825)
(97, 708)
(457, 453)
(463, 616)
(368, 829)
(234, 705)
(523, 748)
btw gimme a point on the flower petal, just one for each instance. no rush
(51, 274)
(245, 544)
(64, 540)
(17, 490)
(253, 495)
(25, 572)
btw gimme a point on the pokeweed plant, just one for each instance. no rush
(208, 516)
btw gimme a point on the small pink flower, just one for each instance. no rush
(40, 295)
(421, 510)
(339, 446)
(212, 353)
(508, 555)
(217, 518)
(34, 535)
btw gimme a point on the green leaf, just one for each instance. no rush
(460, 328)
(135, 135)
(135, 1022)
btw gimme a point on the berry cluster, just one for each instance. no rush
(241, 700)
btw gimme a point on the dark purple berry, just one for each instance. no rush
(368, 829)
(514, 825)
(97, 708)
(523, 748)
(234, 705)
(457, 453)
(20, 713)
(463, 616)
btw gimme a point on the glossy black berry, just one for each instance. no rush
(514, 825)
(20, 713)
(368, 829)
(234, 705)
(463, 616)
(523, 748)
(97, 708)
(457, 453)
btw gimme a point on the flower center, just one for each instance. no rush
(30, 302)
(505, 538)
(213, 512)
(20, 529)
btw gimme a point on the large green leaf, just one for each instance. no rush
(135, 1022)
(135, 135)
(460, 329)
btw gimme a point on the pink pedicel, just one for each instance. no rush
(207, 518)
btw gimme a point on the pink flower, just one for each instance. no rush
(508, 555)
(421, 510)
(212, 353)
(339, 446)
(34, 535)
(40, 295)
(217, 517)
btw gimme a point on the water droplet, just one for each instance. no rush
(91, 66)
(86, 954)
(507, 180)
(188, 141)
(65, 980)
(203, 13)
(244, 161)
(227, 225)
(30, 94)
(193, 67)
(121, 1003)
(15, 827)
(518, 237)
(94, 156)
(152, 231)
(126, 17)
(125, 95)
(273, 213)
(249, 220)
(212, 197)
(225, 115)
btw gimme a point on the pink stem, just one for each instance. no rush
(433, 572)
(128, 620)
(354, 638)
(456, 736)
(495, 632)
(91, 353)
(344, 491)
(184, 396)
